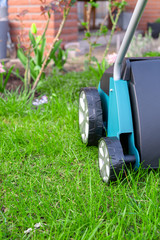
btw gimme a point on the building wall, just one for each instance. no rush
(151, 13)
(70, 32)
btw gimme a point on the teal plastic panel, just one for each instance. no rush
(118, 115)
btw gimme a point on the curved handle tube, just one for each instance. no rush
(128, 37)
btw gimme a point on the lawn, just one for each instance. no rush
(49, 177)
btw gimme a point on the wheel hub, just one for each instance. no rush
(83, 117)
(104, 161)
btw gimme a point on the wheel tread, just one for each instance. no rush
(116, 156)
(95, 115)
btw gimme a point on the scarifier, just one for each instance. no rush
(126, 108)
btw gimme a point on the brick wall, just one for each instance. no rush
(151, 13)
(69, 34)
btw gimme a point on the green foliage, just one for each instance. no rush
(103, 30)
(87, 35)
(158, 20)
(38, 46)
(151, 54)
(23, 58)
(99, 68)
(4, 77)
(49, 177)
(120, 5)
(60, 58)
(94, 45)
(84, 24)
(142, 45)
(94, 4)
(72, 2)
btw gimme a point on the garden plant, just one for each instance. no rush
(35, 65)
(143, 46)
(115, 9)
(4, 76)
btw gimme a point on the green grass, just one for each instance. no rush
(48, 176)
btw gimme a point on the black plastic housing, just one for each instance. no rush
(143, 76)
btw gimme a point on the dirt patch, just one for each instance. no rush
(14, 83)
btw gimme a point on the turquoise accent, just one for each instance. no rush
(117, 114)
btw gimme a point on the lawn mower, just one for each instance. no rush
(126, 109)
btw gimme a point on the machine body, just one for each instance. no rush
(122, 116)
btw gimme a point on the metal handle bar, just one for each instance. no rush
(128, 37)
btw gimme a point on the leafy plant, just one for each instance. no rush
(4, 76)
(35, 58)
(33, 64)
(158, 20)
(151, 54)
(99, 68)
(39, 45)
(141, 45)
(60, 58)
(115, 8)
(63, 7)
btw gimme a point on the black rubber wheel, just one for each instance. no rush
(111, 158)
(90, 116)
